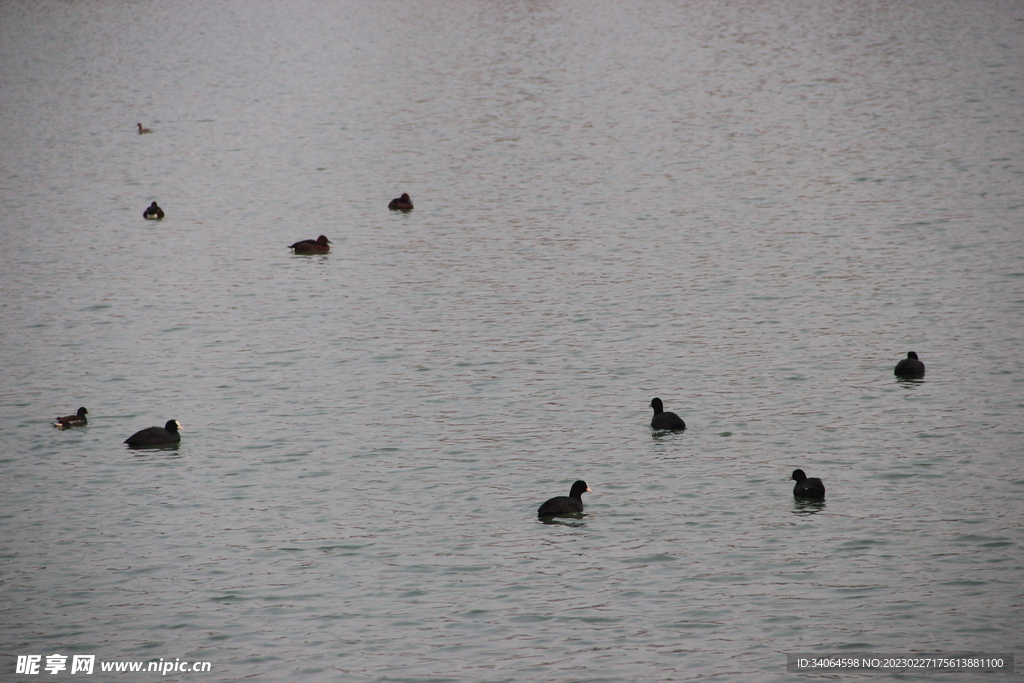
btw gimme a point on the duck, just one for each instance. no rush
(910, 367)
(155, 436)
(565, 505)
(664, 420)
(402, 203)
(153, 213)
(807, 487)
(142, 130)
(317, 246)
(69, 421)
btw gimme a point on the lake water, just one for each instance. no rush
(751, 210)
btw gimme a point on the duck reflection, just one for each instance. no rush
(807, 506)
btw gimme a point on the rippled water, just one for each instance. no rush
(750, 210)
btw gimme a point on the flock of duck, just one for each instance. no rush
(810, 488)
(806, 487)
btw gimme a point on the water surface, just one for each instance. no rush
(750, 211)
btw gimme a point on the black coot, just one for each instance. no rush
(910, 367)
(76, 420)
(663, 420)
(155, 436)
(402, 203)
(317, 246)
(807, 487)
(565, 505)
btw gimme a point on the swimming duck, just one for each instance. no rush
(143, 130)
(664, 420)
(807, 487)
(153, 213)
(910, 367)
(69, 421)
(565, 505)
(317, 246)
(155, 436)
(402, 203)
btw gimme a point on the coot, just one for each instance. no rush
(155, 436)
(317, 246)
(153, 213)
(807, 487)
(76, 420)
(910, 367)
(143, 130)
(402, 203)
(663, 420)
(565, 505)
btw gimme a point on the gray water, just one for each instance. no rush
(751, 210)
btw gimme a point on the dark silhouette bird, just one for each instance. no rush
(402, 203)
(663, 420)
(317, 246)
(565, 505)
(153, 213)
(155, 436)
(69, 421)
(807, 487)
(143, 130)
(910, 367)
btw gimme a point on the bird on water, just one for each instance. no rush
(153, 213)
(807, 487)
(565, 505)
(664, 420)
(143, 131)
(69, 421)
(402, 203)
(318, 246)
(155, 436)
(910, 367)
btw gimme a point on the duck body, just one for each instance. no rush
(321, 245)
(807, 487)
(143, 131)
(155, 436)
(153, 213)
(402, 203)
(69, 421)
(664, 420)
(910, 367)
(565, 505)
